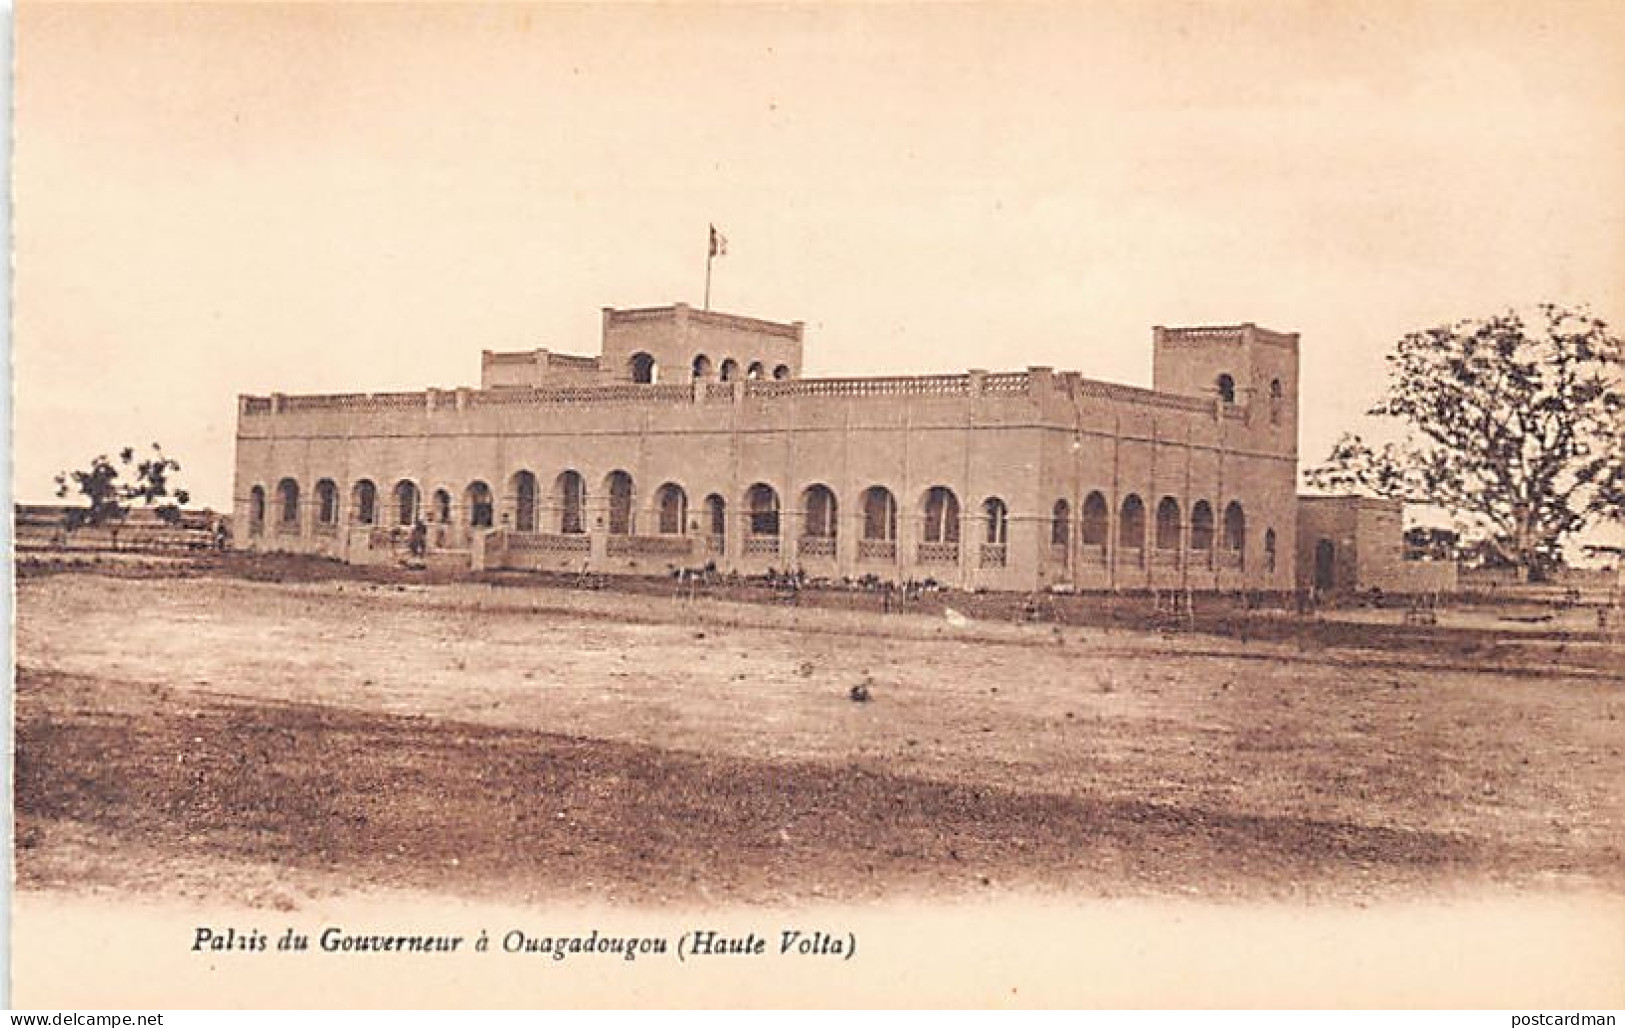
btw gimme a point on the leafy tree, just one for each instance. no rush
(1518, 427)
(108, 492)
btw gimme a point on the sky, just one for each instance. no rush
(221, 199)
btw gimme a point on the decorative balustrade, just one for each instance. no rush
(1092, 553)
(1230, 560)
(649, 546)
(1003, 383)
(898, 385)
(761, 546)
(816, 546)
(878, 550)
(1164, 558)
(993, 555)
(288, 528)
(715, 544)
(1058, 553)
(547, 542)
(1006, 382)
(937, 553)
(1130, 556)
(1133, 394)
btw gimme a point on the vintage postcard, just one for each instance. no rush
(1078, 505)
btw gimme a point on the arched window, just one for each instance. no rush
(1131, 523)
(1235, 527)
(1095, 518)
(818, 503)
(754, 372)
(364, 498)
(941, 515)
(618, 487)
(1060, 524)
(763, 504)
(672, 505)
(481, 505)
(879, 514)
(730, 370)
(570, 497)
(781, 372)
(1275, 401)
(1269, 550)
(442, 507)
(406, 502)
(701, 368)
(256, 510)
(997, 516)
(1227, 389)
(1202, 526)
(287, 492)
(523, 488)
(1168, 524)
(716, 516)
(327, 502)
(642, 368)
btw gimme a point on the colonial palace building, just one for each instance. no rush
(693, 439)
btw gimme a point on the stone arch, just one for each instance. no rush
(1276, 398)
(1235, 527)
(762, 509)
(406, 502)
(287, 494)
(618, 491)
(781, 372)
(327, 502)
(1131, 523)
(701, 366)
(642, 369)
(1168, 524)
(1060, 524)
(1096, 520)
(1202, 526)
(440, 506)
(1269, 550)
(364, 501)
(522, 486)
(570, 499)
(818, 508)
(755, 372)
(1325, 564)
(941, 509)
(671, 509)
(879, 514)
(716, 516)
(256, 510)
(996, 513)
(481, 504)
(729, 370)
(1226, 385)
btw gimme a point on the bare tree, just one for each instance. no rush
(1519, 427)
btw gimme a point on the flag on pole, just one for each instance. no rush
(719, 243)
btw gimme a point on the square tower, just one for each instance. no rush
(1236, 365)
(678, 344)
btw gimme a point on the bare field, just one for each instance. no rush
(256, 742)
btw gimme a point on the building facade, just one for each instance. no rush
(694, 439)
(1356, 544)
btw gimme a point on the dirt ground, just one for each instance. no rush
(217, 738)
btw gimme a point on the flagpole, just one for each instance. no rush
(710, 255)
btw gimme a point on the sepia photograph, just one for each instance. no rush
(1105, 505)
